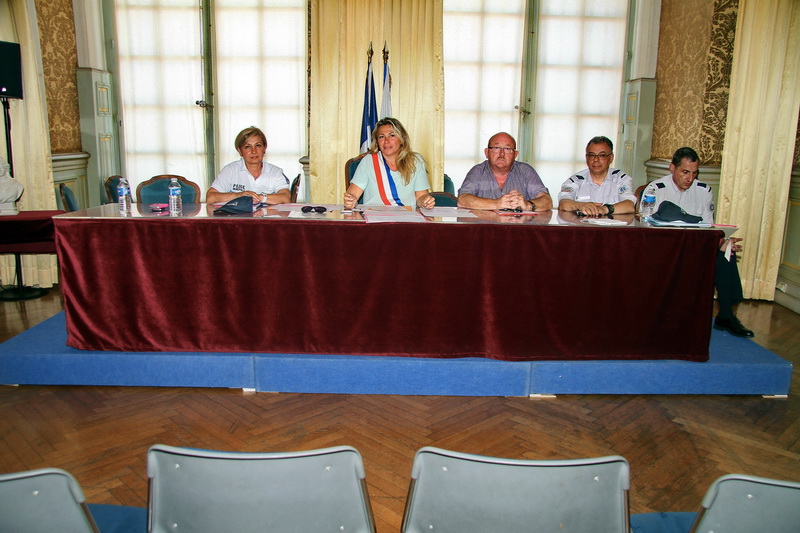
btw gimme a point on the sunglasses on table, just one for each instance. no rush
(315, 208)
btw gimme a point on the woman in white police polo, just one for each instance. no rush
(391, 173)
(250, 175)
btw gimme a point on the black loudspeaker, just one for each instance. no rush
(10, 70)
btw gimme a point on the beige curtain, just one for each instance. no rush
(30, 137)
(341, 31)
(760, 136)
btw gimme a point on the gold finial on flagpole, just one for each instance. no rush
(385, 53)
(369, 53)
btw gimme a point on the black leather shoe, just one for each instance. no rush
(732, 326)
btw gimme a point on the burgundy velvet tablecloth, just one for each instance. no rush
(511, 292)
(29, 232)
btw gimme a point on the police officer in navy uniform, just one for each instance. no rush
(681, 187)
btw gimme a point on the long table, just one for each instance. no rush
(28, 232)
(510, 288)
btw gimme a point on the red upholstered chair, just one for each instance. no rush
(639, 190)
(293, 189)
(68, 199)
(444, 199)
(111, 188)
(350, 169)
(154, 190)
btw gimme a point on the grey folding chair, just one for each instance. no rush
(464, 493)
(742, 504)
(212, 491)
(44, 500)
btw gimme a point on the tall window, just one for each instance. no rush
(579, 70)
(483, 43)
(161, 76)
(579, 53)
(257, 70)
(261, 77)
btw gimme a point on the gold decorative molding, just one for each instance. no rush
(103, 99)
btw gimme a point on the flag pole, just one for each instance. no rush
(369, 116)
(386, 101)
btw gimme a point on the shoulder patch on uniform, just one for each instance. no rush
(577, 177)
(701, 184)
(660, 185)
(616, 171)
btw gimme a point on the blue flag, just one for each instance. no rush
(370, 116)
(386, 102)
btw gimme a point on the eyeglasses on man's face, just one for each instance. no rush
(498, 149)
(601, 155)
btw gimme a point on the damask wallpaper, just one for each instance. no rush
(681, 72)
(60, 61)
(718, 80)
(796, 163)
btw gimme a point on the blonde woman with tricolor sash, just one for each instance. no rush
(390, 173)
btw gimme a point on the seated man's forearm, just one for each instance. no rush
(281, 197)
(470, 201)
(213, 196)
(543, 202)
(624, 207)
(566, 204)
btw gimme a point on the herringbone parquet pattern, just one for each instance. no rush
(677, 445)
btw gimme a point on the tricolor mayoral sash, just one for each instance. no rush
(383, 176)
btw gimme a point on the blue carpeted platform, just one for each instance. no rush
(737, 366)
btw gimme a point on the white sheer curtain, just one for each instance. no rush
(580, 56)
(261, 77)
(161, 77)
(483, 43)
(580, 52)
(30, 138)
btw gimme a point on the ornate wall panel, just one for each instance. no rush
(797, 146)
(60, 61)
(683, 48)
(718, 80)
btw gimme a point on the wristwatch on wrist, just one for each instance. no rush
(265, 197)
(610, 208)
(533, 205)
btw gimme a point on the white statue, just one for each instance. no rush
(10, 190)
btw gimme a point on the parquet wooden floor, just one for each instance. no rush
(676, 445)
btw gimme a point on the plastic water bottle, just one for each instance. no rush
(175, 202)
(648, 206)
(124, 197)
